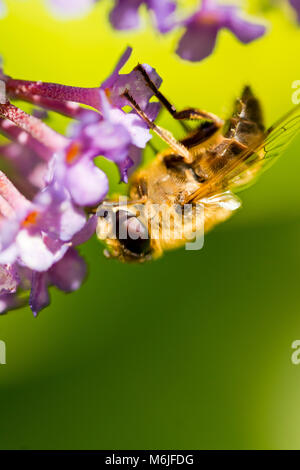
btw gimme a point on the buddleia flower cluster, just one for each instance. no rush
(200, 29)
(51, 180)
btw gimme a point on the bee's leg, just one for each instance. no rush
(163, 100)
(186, 114)
(201, 134)
(193, 114)
(165, 135)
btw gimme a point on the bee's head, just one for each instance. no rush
(124, 233)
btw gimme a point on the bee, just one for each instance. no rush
(201, 172)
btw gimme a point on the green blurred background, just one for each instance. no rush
(192, 351)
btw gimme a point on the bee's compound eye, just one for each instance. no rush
(132, 233)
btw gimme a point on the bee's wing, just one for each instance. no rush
(218, 208)
(240, 172)
(226, 200)
(277, 139)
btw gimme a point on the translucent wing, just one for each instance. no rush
(226, 200)
(277, 139)
(242, 170)
(218, 208)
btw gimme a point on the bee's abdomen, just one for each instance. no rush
(241, 132)
(246, 123)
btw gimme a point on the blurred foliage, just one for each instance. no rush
(191, 351)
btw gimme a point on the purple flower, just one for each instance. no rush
(53, 180)
(116, 84)
(61, 98)
(26, 158)
(36, 235)
(202, 29)
(114, 135)
(38, 232)
(72, 169)
(10, 302)
(67, 275)
(67, 9)
(296, 5)
(125, 14)
(26, 170)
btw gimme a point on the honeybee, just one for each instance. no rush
(202, 172)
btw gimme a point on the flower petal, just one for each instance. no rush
(296, 5)
(71, 222)
(112, 78)
(107, 138)
(87, 184)
(9, 255)
(34, 252)
(69, 273)
(130, 163)
(8, 233)
(63, 222)
(136, 128)
(244, 30)
(135, 84)
(58, 217)
(39, 295)
(10, 302)
(124, 167)
(163, 10)
(198, 42)
(86, 232)
(125, 14)
(152, 110)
